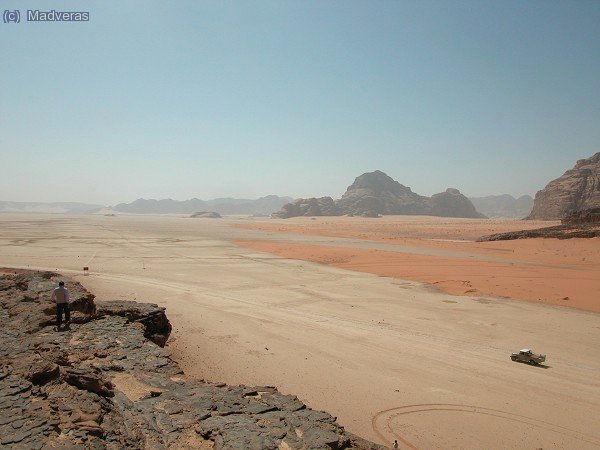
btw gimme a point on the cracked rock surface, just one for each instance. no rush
(108, 383)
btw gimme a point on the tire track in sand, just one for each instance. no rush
(382, 422)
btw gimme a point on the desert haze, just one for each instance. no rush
(357, 316)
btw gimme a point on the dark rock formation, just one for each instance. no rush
(89, 379)
(558, 232)
(576, 189)
(103, 385)
(31, 315)
(375, 193)
(206, 215)
(157, 327)
(586, 216)
(323, 206)
(453, 204)
(503, 206)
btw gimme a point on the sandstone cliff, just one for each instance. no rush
(375, 193)
(576, 189)
(108, 384)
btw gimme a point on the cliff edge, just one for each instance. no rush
(107, 383)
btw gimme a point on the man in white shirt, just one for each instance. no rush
(60, 296)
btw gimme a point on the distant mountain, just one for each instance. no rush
(58, 207)
(577, 189)
(262, 206)
(451, 203)
(375, 193)
(503, 206)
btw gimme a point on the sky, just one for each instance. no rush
(243, 99)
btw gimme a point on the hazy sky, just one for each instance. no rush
(203, 99)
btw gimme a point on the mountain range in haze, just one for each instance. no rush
(56, 207)
(494, 206)
(263, 206)
(503, 206)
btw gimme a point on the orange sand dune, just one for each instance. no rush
(552, 271)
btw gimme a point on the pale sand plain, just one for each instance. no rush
(390, 358)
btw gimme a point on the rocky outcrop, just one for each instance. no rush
(503, 206)
(558, 232)
(28, 313)
(157, 327)
(206, 215)
(453, 204)
(103, 385)
(576, 189)
(586, 216)
(323, 206)
(375, 193)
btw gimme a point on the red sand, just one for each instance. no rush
(559, 272)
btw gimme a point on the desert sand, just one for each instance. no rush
(442, 253)
(391, 358)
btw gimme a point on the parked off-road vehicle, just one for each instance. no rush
(527, 356)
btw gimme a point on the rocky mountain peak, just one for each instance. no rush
(452, 203)
(592, 160)
(377, 182)
(375, 193)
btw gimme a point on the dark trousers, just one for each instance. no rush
(60, 307)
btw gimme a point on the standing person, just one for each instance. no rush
(395, 444)
(60, 296)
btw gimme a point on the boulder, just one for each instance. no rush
(89, 379)
(42, 371)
